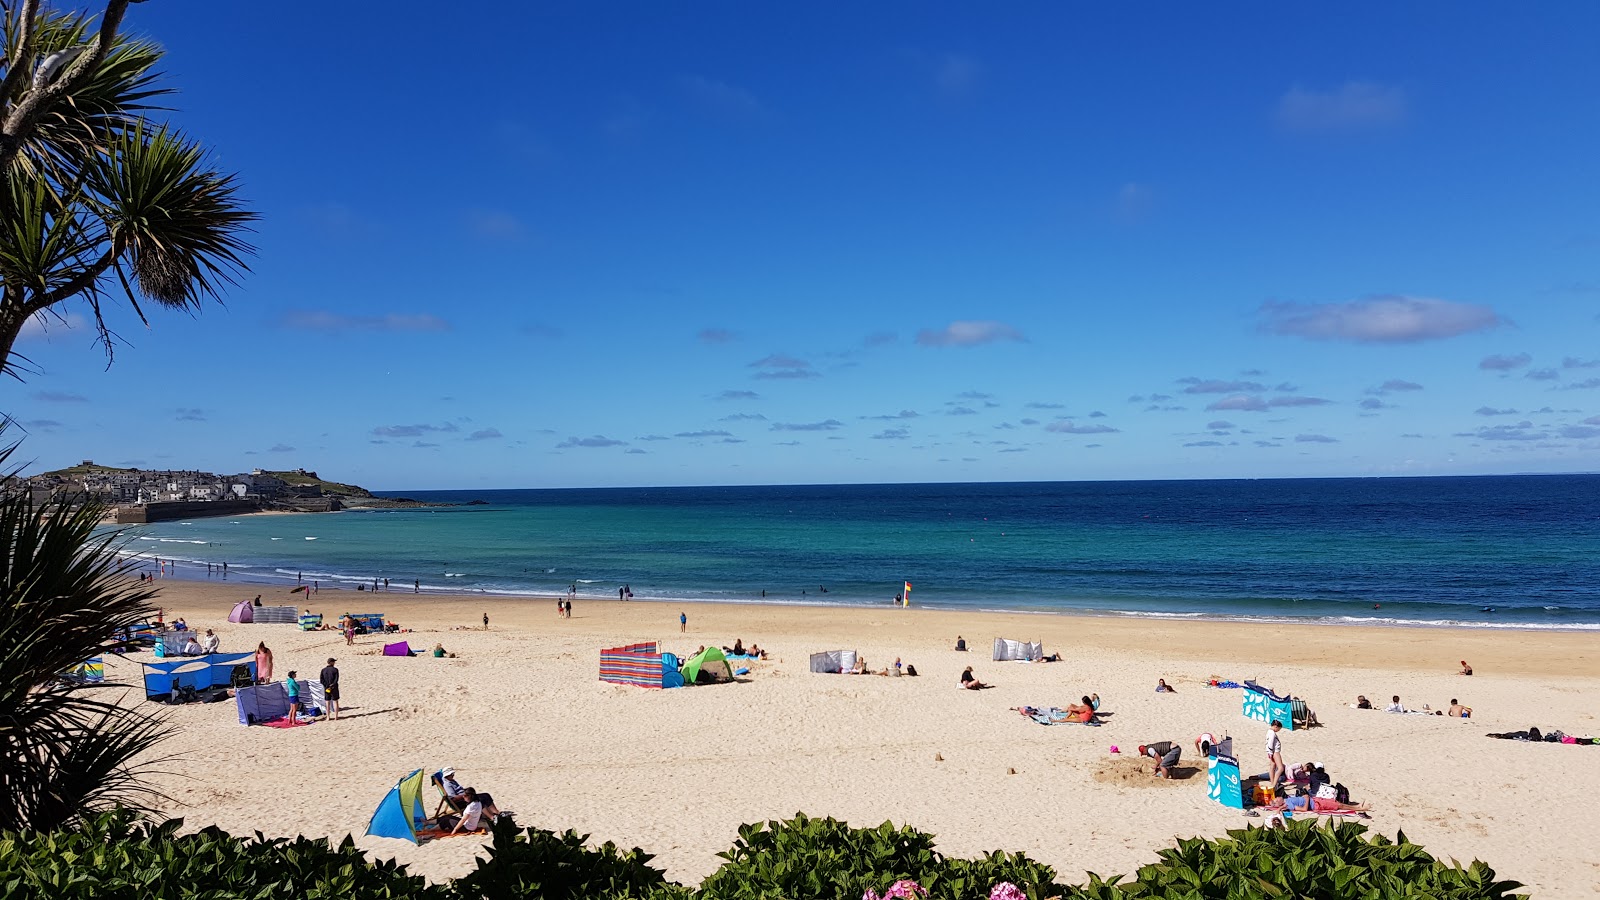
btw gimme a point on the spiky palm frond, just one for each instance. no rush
(65, 596)
(173, 220)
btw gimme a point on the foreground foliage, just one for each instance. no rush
(64, 597)
(115, 856)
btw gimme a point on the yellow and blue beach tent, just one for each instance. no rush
(400, 813)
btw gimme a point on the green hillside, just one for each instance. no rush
(331, 488)
(82, 470)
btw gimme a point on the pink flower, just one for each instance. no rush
(1005, 890)
(871, 895)
(905, 889)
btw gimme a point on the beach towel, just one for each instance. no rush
(1053, 716)
(1224, 684)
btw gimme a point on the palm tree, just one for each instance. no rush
(96, 201)
(65, 596)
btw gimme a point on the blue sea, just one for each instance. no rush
(1475, 551)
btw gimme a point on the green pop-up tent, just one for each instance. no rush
(708, 666)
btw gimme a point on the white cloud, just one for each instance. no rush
(968, 334)
(598, 440)
(1378, 320)
(1353, 106)
(828, 425)
(486, 434)
(1314, 439)
(1067, 426)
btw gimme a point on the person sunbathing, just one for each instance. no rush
(1083, 712)
(1308, 803)
(860, 667)
(471, 818)
(970, 682)
(1163, 688)
(738, 646)
(1394, 705)
(1362, 702)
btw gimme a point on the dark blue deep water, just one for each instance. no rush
(1424, 550)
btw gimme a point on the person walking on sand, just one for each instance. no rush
(330, 689)
(416, 586)
(683, 622)
(1276, 770)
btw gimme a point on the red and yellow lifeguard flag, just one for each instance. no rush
(907, 595)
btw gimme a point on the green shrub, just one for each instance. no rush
(1310, 860)
(825, 859)
(114, 856)
(543, 865)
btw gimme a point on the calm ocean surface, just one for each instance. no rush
(1426, 550)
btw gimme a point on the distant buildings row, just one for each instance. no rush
(123, 486)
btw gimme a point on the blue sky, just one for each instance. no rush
(630, 244)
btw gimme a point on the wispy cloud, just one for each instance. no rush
(703, 434)
(411, 431)
(1220, 425)
(59, 397)
(654, 437)
(1315, 439)
(738, 395)
(715, 336)
(1522, 431)
(743, 417)
(902, 414)
(1394, 386)
(189, 414)
(485, 434)
(968, 334)
(1572, 362)
(1215, 386)
(322, 320)
(1134, 202)
(598, 440)
(1253, 403)
(41, 324)
(1204, 444)
(41, 424)
(1067, 426)
(879, 339)
(1542, 375)
(959, 410)
(1039, 405)
(495, 224)
(722, 98)
(1373, 403)
(892, 434)
(1579, 432)
(826, 425)
(780, 366)
(280, 448)
(1352, 106)
(1504, 362)
(1585, 385)
(1378, 320)
(538, 330)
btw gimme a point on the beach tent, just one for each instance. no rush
(640, 665)
(398, 648)
(400, 814)
(832, 662)
(141, 634)
(707, 666)
(1009, 650)
(1263, 705)
(244, 612)
(310, 621)
(198, 672)
(1222, 779)
(171, 643)
(260, 703)
(90, 671)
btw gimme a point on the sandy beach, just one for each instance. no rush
(520, 712)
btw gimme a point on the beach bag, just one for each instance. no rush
(1341, 793)
(1327, 791)
(911, 670)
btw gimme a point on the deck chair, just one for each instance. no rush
(1302, 716)
(446, 805)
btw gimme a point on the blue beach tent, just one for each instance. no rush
(400, 814)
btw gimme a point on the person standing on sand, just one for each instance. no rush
(1276, 770)
(330, 688)
(683, 622)
(416, 586)
(485, 621)
(619, 593)
(263, 664)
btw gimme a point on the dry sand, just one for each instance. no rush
(520, 712)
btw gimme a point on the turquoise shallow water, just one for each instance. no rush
(1521, 550)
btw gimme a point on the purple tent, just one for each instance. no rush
(397, 649)
(244, 612)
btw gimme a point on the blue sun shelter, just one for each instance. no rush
(1263, 705)
(400, 814)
